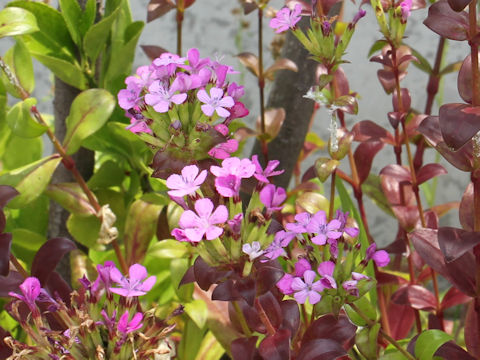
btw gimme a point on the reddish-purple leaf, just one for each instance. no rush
(321, 349)
(248, 6)
(246, 288)
(276, 346)
(446, 22)
(250, 61)
(458, 123)
(364, 154)
(430, 128)
(429, 171)
(415, 296)
(387, 79)
(456, 242)
(244, 348)
(226, 291)
(280, 64)
(367, 130)
(48, 257)
(450, 350)
(188, 277)
(460, 272)
(471, 330)
(267, 276)
(291, 316)
(10, 283)
(272, 308)
(153, 51)
(466, 211)
(458, 5)
(431, 219)
(205, 275)
(340, 329)
(464, 80)
(406, 100)
(400, 173)
(165, 165)
(401, 319)
(5, 244)
(454, 297)
(58, 287)
(388, 279)
(158, 8)
(7, 193)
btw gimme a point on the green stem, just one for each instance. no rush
(180, 11)
(261, 84)
(384, 335)
(241, 319)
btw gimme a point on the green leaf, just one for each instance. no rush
(97, 35)
(178, 268)
(25, 244)
(198, 312)
(30, 180)
(53, 39)
(90, 110)
(140, 227)
(109, 174)
(21, 151)
(168, 249)
(16, 21)
(365, 308)
(33, 216)
(19, 61)
(66, 71)
(372, 188)
(115, 140)
(122, 55)
(72, 13)
(366, 341)
(21, 122)
(428, 342)
(71, 197)
(84, 229)
(422, 63)
(453, 67)
(377, 46)
(210, 349)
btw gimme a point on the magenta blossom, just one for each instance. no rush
(326, 269)
(343, 217)
(286, 19)
(131, 96)
(406, 7)
(103, 280)
(124, 326)
(301, 266)
(350, 286)
(200, 224)
(272, 197)
(280, 241)
(307, 288)
(137, 123)
(380, 257)
(223, 150)
(300, 226)
(263, 175)
(237, 111)
(285, 284)
(31, 290)
(236, 223)
(216, 102)
(186, 184)
(135, 285)
(229, 176)
(324, 230)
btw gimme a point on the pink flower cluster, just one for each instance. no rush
(286, 19)
(206, 221)
(173, 80)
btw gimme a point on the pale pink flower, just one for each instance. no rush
(137, 284)
(216, 102)
(186, 184)
(286, 19)
(307, 288)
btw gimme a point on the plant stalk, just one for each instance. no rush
(261, 84)
(241, 319)
(180, 11)
(264, 318)
(472, 13)
(21, 270)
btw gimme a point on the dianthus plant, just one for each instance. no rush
(101, 320)
(267, 267)
(182, 107)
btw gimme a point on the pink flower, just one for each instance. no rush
(326, 269)
(280, 241)
(235, 91)
(307, 289)
(272, 197)
(200, 224)
(237, 111)
(124, 326)
(30, 289)
(380, 257)
(134, 284)
(186, 184)
(286, 19)
(161, 95)
(216, 102)
(229, 176)
(103, 280)
(129, 97)
(285, 284)
(236, 223)
(318, 225)
(223, 150)
(406, 7)
(263, 175)
(300, 226)
(301, 266)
